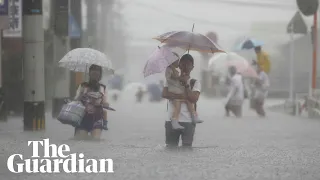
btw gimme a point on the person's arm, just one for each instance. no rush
(78, 93)
(105, 99)
(193, 95)
(170, 96)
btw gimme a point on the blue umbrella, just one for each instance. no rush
(116, 82)
(155, 91)
(249, 44)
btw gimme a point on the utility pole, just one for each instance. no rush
(34, 85)
(61, 45)
(92, 23)
(75, 33)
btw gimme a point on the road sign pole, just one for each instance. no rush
(1, 72)
(315, 47)
(291, 75)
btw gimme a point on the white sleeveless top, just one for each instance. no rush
(82, 90)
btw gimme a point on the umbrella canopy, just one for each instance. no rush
(80, 59)
(244, 68)
(249, 44)
(220, 62)
(189, 41)
(159, 60)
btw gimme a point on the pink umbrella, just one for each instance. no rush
(159, 60)
(244, 68)
(189, 41)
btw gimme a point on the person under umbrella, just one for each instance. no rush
(192, 93)
(235, 96)
(261, 85)
(262, 59)
(175, 86)
(93, 95)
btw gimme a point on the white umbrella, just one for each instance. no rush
(218, 64)
(81, 59)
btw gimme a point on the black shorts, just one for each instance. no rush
(235, 109)
(173, 136)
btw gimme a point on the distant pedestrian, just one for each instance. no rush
(139, 95)
(236, 94)
(260, 92)
(263, 59)
(94, 97)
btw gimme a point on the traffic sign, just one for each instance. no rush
(297, 25)
(4, 8)
(308, 7)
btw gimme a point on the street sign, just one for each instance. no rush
(74, 29)
(61, 18)
(4, 12)
(308, 7)
(297, 25)
(32, 7)
(4, 8)
(15, 19)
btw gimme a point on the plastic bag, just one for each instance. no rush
(72, 113)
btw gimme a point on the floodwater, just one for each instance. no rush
(278, 147)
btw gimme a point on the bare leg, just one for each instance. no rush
(259, 108)
(81, 134)
(96, 134)
(227, 110)
(175, 115)
(105, 121)
(262, 111)
(237, 111)
(193, 112)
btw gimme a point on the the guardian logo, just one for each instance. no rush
(58, 161)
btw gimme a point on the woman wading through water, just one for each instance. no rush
(93, 96)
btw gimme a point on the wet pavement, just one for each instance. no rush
(277, 147)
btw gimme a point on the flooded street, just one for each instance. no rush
(278, 147)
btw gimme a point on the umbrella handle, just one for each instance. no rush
(192, 31)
